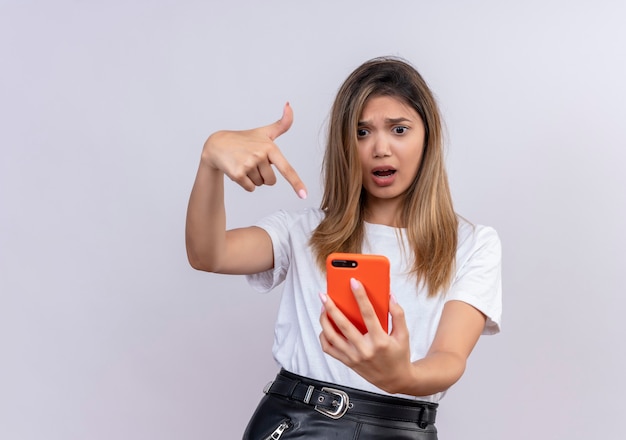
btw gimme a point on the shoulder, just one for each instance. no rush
(473, 238)
(478, 278)
(475, 233)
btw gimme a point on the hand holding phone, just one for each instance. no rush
(372, 271)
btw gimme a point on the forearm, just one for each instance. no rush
(435, 373)
(205, 229)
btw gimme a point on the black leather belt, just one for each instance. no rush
(335, 401)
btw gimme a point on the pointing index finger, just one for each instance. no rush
(288, 172)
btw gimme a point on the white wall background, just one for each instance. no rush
(107, 333)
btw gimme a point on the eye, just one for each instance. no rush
(361, 132)
(400, 129)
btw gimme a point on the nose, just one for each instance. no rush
(382, 147)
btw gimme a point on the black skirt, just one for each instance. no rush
(296, 407)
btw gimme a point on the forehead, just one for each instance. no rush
(387, 107)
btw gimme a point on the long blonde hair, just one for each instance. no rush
(427, 213)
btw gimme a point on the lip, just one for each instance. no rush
(383, 180)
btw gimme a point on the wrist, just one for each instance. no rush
(408, 382)
(402, 382)
(207, 156)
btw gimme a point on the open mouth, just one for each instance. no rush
(384, 172)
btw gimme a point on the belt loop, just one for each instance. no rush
(421, 421)
(293, 387)
(427, 417)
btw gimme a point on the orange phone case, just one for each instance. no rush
(372, 271)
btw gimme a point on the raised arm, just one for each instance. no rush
(246, 157)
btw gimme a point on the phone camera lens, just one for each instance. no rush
(344, 263)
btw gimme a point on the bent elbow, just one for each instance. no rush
(457, 371)
(199, 263)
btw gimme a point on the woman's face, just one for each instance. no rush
(390, 140)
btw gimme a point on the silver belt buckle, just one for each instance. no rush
(340, 406)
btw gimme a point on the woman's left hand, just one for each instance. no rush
(380, 358)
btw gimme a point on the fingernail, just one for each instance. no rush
(323, 297)
(354, 283)
(393, 299)
(302, 194)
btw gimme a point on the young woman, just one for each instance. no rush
(385, 192)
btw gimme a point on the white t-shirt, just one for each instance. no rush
(296, 342)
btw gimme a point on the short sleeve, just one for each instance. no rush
(277, 228)
(478, 280)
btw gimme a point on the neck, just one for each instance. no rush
(384, 212)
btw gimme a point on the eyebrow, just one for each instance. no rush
(387, 120)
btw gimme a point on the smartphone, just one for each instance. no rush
(372, 271)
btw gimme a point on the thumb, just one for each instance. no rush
(282, 125)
